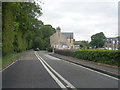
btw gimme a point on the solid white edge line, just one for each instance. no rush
(52, 75)
(69, 84)
(93, 71)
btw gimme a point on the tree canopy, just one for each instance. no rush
(21, 28)
(98, 40)
(83, 44)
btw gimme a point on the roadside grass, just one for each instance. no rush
(10, 58)
(0, 58)
(0, 63)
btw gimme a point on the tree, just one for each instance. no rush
(21, 28)
(83, 44)
(19, 19)
(44, 34)
(98, 40)
(0, 24)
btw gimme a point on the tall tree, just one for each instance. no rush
(44, 34)
(8, 28)
(21, 28)
(98, 40)
(18, 24)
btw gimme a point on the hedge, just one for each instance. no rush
(50, 49)
(64, 52)
(102, 56)
(111, 57)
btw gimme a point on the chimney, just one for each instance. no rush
(58, 29)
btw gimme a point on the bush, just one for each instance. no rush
(50, 49)
(102, 56)
(65, 52)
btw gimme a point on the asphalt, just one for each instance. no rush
(104, 68)
(28, 72)
(79, 76)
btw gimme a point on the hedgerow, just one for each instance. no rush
(102, 56)
(64, 52)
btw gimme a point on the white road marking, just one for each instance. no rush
(51, 57)
(52, 75)
(68, 84)
(92, 70)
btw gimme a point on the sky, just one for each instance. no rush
(82, 17)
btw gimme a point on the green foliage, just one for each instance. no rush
(83, 44)
(50, 49)
(8, 29)
(21, 28)
(0, 24)
(47, 31)
(42, 37)
(98, 40)
(12, 57)
(102, 56)
(65, 52)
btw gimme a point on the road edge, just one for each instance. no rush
(99, 70)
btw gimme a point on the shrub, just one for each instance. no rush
(102, 56)
(50, 49)
(64, 52)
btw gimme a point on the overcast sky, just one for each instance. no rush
(82, 17)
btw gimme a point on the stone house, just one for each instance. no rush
(62, 40)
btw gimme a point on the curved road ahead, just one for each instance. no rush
(37, 69)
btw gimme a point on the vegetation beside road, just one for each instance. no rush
(101, 56)
(98, 40)
(83, 44)
(12, 57)
(0, 58)
(21, 29)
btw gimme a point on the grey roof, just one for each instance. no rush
(68, 35)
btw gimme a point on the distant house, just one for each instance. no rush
(112, 43)
(76, 46)
(62, 40)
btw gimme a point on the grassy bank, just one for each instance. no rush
(12, 57)
(0, 58)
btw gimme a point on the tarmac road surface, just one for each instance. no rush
(37, 69)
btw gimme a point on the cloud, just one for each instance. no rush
(82, 17)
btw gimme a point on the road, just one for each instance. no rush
(37, 69)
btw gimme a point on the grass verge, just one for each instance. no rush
(0, 58)
(12, 57)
